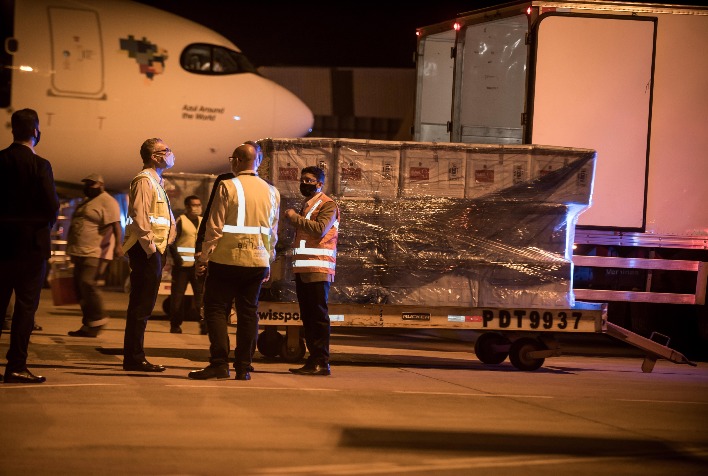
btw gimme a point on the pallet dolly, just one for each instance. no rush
(524, 335)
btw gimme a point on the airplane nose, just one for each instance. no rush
(294, 118)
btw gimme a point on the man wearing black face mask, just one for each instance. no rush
(314, 259)
(94, 240)
(29, 211)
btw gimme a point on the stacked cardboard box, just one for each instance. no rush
(441, 224)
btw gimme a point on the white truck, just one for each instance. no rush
(628, 80)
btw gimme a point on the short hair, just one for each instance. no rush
(190, 198)
(316, 171)
(24, 122)
(148, 148)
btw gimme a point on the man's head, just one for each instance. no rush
(311, 180)
(93, 185)
(247, 156)
(192, 206)
(155, 152)
(25, 126)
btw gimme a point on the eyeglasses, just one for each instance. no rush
(307, 180)
(166, 150)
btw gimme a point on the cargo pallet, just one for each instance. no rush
(524, 335)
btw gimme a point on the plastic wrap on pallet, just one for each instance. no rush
(443, 224)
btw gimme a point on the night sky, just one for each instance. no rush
(333, 34)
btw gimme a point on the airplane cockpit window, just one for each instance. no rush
(202, 58)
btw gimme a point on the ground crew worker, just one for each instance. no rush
(314, 260)
(183, 269)
(239, 245)
(94, 239)
(151, 227)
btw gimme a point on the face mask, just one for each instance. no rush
(36, 138)
(170, 160)
(92, 192)
(308, 189)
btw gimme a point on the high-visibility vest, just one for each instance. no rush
(248, 235)
(159, 216)
(186, 240)
(312, 254)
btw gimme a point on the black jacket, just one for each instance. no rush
(28, 203)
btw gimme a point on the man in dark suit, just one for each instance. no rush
(30, 206)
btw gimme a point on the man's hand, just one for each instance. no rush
(118, 251)
(291, 214)
(265, 280)
(201, 268)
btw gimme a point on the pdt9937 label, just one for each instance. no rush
(537, 320)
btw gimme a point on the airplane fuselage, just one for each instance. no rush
(106, 75)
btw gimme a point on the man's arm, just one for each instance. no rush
(140, 200)
(46, 178)
(111, 217)
(214, 228)
(205, 216)
(320, 226)
(118, 235)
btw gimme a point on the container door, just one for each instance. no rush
(492, 82)
(591, 87)
(434, 90)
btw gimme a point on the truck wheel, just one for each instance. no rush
(293, 354)
(270, 342)
(518, 354)
(491, 348)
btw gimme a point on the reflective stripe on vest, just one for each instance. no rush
(186, 257)
(159, 221)
(301, 250)
(240, 228)
(316, 255)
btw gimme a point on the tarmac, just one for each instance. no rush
(398, 402)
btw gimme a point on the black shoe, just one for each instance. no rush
(312, 369)
(143, 366)
(85, 332)
(175, 330)
(243, 375)
(37, 327)
(211, 372)
(24, 376)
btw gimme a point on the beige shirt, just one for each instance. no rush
(138, 209)
(91, 231)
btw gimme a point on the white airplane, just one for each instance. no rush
(104, 75)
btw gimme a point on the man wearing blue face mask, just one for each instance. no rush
(150, 229)
(314, 256)
(94, 239)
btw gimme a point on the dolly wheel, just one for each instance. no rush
(518, 354)
(270, 342)
(491, 348)
(292, 354)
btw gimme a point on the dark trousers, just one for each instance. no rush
(87, 271)
(224, 284)
(145, 275)
(181, 275)
(312, 298)
(26, 277)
